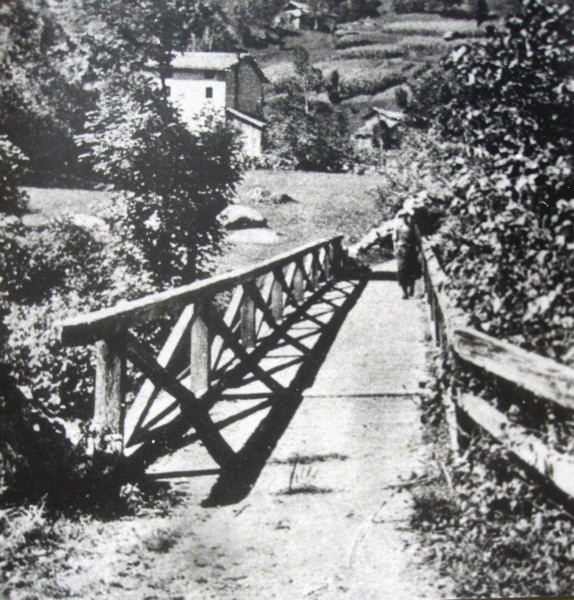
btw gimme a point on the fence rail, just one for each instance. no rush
(541, 377)
(219, 349)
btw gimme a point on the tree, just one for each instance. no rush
(305, 130)
(42, 100)
(171, 182)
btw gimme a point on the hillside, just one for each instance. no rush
(374, 57)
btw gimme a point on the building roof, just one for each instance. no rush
(240, 116)
(215, 61)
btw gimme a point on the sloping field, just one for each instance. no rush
(369, 54)
(325, 204)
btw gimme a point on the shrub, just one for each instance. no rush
(12, 199)
(49, 274)
(373, 84)
(372, 52)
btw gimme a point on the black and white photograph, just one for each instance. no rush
(286, 299)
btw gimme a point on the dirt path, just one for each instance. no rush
(329, 515)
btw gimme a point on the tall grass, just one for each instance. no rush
(371, 84)
(375, 52)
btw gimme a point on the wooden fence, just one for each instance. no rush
(265, 300)
(543, 379)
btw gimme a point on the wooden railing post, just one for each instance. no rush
(109, 387)
(276, 300)
(199, 355)
(248, 325)
(299, 283)
(337, 257)
(327, 262)
(314, 270)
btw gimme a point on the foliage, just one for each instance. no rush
(512, 101)
(306, 132)
(507, 245)
(49, 274)
(12, 199)
(171, 182)
(491, 529)
(371, 83)
(42, 101)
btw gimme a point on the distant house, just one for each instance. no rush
(298, 15)
(224, 80)
(290, 16)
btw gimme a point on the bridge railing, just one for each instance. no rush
(535, 378)
(262, 297)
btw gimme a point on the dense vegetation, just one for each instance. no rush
(170, 184)
(496, 161)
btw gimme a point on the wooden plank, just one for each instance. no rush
(277, 300)
(86, 329)
(541, 376)
(200, 356)
(554, 466)
(298, 284)
(248, 320)
(141, 405)
(109, 392)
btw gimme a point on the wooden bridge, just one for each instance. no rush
(242, 349)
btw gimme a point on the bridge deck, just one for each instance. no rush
(325, 518)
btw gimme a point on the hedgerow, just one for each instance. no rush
(497, 163)
(372, 52)
(373, 84)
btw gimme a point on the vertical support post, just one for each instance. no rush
(327, 259)
(314, 270)
(337, 257)
(199, 359)
(451, 420)
(437, 323)
(109, 388)
(276, 300)
(298, 283)
(248, 321)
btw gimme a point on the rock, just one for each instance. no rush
(90, 222)
(238, 216)
(282, 199)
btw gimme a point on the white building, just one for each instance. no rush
(225, 80)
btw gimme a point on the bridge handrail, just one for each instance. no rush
(266, 298)
(537, 374)
(541, 376)
(91, 327)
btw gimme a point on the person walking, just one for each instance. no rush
(405, 249)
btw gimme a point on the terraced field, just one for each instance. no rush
(374, 57)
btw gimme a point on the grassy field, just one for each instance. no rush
(326, 204)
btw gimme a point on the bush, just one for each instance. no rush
(12, 199)
(372, 52)
(49, 274)
(489, 527)
(373, 84)
(318, 140)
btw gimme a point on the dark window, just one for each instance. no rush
(209, 92)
